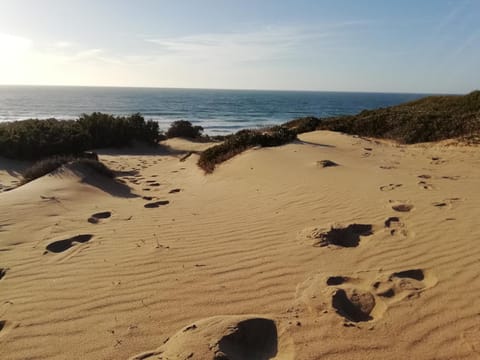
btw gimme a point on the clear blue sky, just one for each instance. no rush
(351, 45)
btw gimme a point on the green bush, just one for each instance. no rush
(184, 129)
(46, 166)
(106, 130)
(302, 125)
(241, 141)
(432, 118)
(35, 139)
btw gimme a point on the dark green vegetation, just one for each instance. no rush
(35, 139)
(241, 141)
(46, 166)
(432, 118)
(184, 129)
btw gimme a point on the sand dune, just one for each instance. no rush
(273, 256)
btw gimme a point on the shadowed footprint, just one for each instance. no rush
(359, 299)
(344, 236)
(437, 160)
(225, 338)
(395, 226)
(337, 234)
(326, 163)
(3, 272)
(402, 207)
(249, 339)
(95, 218)
(63, 245)
(416, 274)
(354, 305)
(156, 204)
(390, 187)
(425, 185)
(174, 191)
(336, 280)
(2, 324)
(402, 284)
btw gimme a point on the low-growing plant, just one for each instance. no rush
(432, 118)
(36, 139)
(184, 129)
(241, 141)
(302, 125)
(107, 130)
(46, 166)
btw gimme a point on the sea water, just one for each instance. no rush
(217, 111)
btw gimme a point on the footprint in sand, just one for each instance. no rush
(3, 326)
(156, 204)
(3, 272)
(395, 226)
(362, 299)
(451, 177)
(226, 337)
(437, 160)
(425, 185)
(403, 284)
(337, 235)
(97, 217)
(174, 191)
(326, 163)
(354, 305)
(447, 203)
(390, 187)
(402, 207)
(63, 245)
(387, 167)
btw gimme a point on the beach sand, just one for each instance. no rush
(274, 255)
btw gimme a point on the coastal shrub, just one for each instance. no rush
(432, 118)
(36, 139)
(46, 166)
(184, 129)
(302, 125)
(241, 141)
(107, 130)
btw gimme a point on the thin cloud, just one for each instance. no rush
(270, 42)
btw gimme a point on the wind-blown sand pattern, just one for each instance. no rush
(270, 257)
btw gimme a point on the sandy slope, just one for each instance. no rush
(260, 259)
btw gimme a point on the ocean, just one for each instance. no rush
(217, 111)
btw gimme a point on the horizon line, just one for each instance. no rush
(238, 89)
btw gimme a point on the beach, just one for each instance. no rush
(373, 254)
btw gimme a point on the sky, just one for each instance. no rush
(421, 46)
